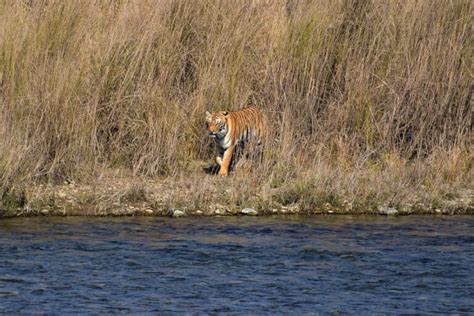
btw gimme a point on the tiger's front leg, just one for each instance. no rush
(225, 162)
(219, 157)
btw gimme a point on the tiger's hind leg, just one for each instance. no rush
(256, 153)
(237, 155)
(243, 164)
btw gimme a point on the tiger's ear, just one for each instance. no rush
(225, 113)
(208, 114)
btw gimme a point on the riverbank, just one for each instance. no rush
(119, 193)
(102, 106)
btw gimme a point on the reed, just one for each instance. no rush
(359, 93)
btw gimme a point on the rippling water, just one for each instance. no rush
(298, 265)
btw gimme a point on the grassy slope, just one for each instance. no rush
(370, 102)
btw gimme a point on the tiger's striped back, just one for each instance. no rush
(245, 124)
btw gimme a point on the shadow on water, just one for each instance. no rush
(237, 265)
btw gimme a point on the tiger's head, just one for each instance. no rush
(216, 124)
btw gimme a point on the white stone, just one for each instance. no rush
(387, 210)
(249, 211)
(178, 213)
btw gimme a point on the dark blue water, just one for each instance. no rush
(299, 265)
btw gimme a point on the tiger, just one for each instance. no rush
(233, 128)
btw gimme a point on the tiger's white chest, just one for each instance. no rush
(224, 142)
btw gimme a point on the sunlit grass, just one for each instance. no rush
(376, 95)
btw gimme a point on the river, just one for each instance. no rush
(238, 265)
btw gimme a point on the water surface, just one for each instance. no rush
(263, 265)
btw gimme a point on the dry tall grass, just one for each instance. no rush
(360, 94)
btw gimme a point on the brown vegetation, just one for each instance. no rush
(370, 102)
